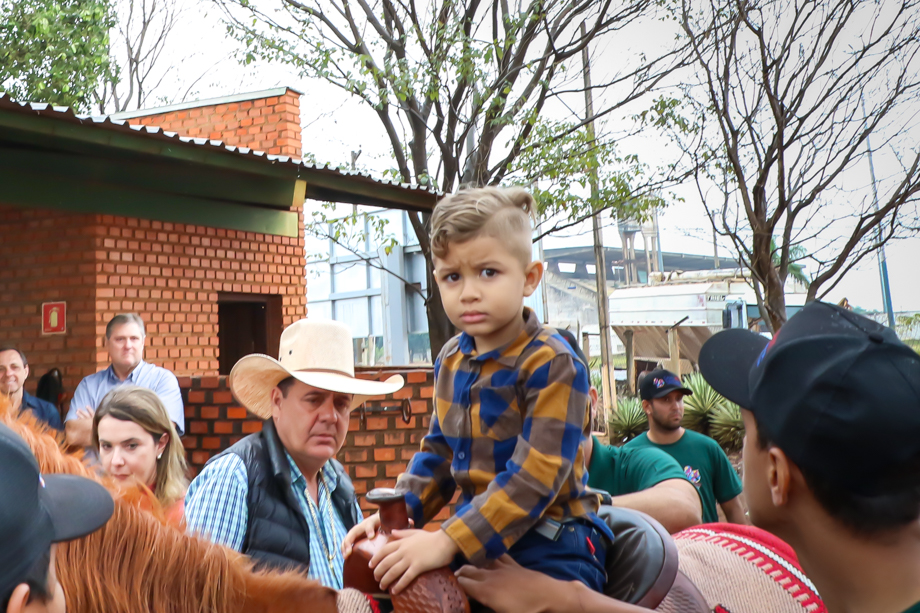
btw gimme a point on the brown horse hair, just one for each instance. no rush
(137, 562)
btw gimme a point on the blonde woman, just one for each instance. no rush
(136, 440)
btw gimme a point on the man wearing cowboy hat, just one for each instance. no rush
(279, 496)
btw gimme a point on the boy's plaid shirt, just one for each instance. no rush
(507, 428)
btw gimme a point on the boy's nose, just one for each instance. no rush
(469, 292)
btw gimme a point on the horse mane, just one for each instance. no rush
(137, 562)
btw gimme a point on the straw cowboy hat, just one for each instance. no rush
(318, 352)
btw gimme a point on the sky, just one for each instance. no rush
(335, 125)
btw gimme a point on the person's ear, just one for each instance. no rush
(779, 476)
(533, 273)
(19, 599)
(647, 407)
(276, 397)
(26, 368)
(593, 397)
(161, 444)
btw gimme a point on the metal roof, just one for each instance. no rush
(241, 97)
(324, 182)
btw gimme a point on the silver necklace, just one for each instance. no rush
(330, 552)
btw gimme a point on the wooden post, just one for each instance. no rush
(603, 317)
(630, 362)
(674, 351)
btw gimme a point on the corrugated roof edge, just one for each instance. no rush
(107, 121)
(264, 93)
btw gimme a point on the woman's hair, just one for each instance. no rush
(144, 407)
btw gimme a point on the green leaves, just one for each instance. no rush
(55, 51)
(557, 165)
(709, 413)
(727, 427)
(628, 421)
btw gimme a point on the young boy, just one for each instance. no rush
(510, 414)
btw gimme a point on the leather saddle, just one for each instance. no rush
(642, 563)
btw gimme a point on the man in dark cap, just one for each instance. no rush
(644, 479)
(831, 407)
(703, 461)
(37, 511)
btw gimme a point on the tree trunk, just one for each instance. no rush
(774, 294)
(440, 330)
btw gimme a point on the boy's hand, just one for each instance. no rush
(367, 527)
(411, 553)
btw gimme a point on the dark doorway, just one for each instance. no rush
(247, 323)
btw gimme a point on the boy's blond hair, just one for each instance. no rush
(502, 213)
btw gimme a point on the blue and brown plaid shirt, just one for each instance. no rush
(507, 428)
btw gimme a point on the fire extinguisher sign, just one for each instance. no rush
(54, 317)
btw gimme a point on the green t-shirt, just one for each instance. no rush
(705, 464)
(914, 609)
(619, 471)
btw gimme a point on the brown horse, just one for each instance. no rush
(137, 563)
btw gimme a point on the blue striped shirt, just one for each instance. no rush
(93, 388)
(216, 507)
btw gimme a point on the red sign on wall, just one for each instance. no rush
(54, 317)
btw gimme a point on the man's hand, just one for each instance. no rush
(411, 553)
(79, 431)
(365, 528)
(507, 587)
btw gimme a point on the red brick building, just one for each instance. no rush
(192, 216)
(115, 215)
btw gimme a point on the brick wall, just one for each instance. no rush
(376, 450)
(44, 257)
(266, 124)
(171, 275)
(168, 273)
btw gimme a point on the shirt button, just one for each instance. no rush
(461, 455)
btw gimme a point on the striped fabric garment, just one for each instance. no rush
(216, 508)
(507, 429)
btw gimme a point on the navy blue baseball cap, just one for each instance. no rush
(659, 383)
(839, 393)
(37, 510)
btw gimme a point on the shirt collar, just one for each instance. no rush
(131, 377)
(532, 328)
(332, 479)
(27, 399)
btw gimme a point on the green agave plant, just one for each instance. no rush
(727, 427)
(699, 407)
(628, 421)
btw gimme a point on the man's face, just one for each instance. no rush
(311, 422)
(13, 373)
(55, 602)
(667, 412)
(126, 346)
(483, 286)
(756, 489)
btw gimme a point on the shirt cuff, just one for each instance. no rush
(467, 542)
